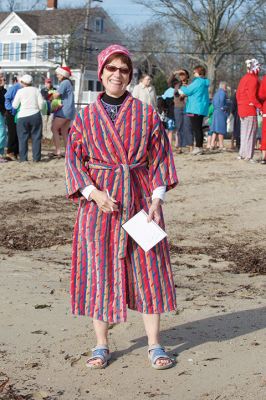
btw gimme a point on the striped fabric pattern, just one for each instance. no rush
(130, 158)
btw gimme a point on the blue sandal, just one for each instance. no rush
(157, 352)
(102, 353)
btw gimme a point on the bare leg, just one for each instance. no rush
(64, 130)
(60, 125)
(221, 141)
(213, 140)
(56, 126)
(209, 140)
(152, 328)
(101, 332)
(170, 137)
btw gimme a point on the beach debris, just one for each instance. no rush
(40, 306)
(4, 379)
(39, 332)
(40, 395)
(74, 360)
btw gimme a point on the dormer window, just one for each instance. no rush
(99, 25)
(15, 29)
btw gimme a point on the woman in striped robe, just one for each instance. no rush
(119, 161)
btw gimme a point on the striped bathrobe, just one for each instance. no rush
(129, 158)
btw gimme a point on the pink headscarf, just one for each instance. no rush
(109, 51)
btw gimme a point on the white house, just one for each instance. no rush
(35, 42)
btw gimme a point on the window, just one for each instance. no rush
(51, 51)
(15, 29)
(99, 25)
(6, 55)
(90, 85)
(99, 86)
(23, 51)
(54, 51)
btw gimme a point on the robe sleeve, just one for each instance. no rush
(190, 89)
(77, 175)
(162, 170)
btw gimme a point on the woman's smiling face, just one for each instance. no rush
(115, 82)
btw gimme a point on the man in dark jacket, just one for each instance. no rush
(2, 118)
(12, 137)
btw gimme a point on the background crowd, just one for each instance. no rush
(189, 114)
(25, 111)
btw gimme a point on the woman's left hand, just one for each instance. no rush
(154, 211)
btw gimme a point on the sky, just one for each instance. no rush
(124, 12)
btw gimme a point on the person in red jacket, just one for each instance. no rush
(248, 103)
(262, 96)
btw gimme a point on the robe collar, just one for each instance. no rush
(113, 127)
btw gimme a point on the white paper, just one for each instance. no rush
(146, 234)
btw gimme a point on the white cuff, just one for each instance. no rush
(159, 193)
(180, 91)
(86, 192)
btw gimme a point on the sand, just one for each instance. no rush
(216, 227)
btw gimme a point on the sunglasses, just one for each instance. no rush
(112, 68)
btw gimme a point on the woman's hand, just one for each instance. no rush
(103, 201)
(154, 211)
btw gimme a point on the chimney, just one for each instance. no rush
(51, 4)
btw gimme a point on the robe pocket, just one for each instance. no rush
(94, 224)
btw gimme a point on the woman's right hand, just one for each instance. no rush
(103, 201)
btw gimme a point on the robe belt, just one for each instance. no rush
(127, 196)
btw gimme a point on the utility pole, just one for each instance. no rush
(84, 51)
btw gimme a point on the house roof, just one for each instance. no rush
(55, 21)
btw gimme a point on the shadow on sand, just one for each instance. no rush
(212, 329)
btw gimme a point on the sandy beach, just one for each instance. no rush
(215, 222)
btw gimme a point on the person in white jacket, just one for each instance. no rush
(145, 92)
(29, 103)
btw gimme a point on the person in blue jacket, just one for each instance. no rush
(197, 104)
(12, 137)
(220, 114)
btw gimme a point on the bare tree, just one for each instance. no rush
(216, 26)
(257, 34)
(150, 45)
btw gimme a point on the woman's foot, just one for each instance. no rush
(158, 357)
(56, 155)
(100, 357)
(11, 157)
